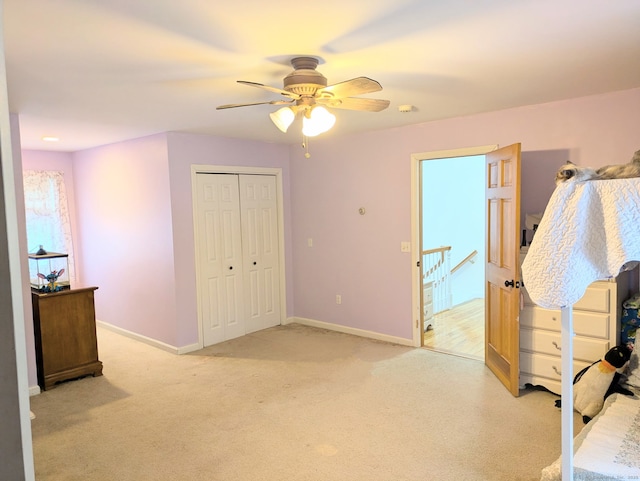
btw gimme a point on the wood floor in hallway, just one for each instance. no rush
(459, 331)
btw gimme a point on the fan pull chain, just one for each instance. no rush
(305, 146)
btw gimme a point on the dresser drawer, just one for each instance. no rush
(548, 342)
(428, 311)
(596, 298)
(547, 366)
(590, 324)
(427, 292)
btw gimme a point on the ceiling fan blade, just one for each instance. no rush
(349, 88)
(270, 89)
(352, 103)
(272, 102)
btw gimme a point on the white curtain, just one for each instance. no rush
(47, 213)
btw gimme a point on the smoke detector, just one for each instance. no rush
(405, 108)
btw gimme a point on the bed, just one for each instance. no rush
(607, 448)
(589, 231)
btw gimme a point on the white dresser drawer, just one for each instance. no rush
(427, 292)
(428, 311)
(547, 366)
(597, 298)
(590, 324)
(596, 324)
(548, 342)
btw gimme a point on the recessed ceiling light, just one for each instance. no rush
(49, 138)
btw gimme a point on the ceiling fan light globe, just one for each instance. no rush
(317, 121)
(283, 118)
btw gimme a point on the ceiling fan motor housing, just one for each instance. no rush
(305, 79)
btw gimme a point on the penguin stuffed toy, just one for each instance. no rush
(595, 383)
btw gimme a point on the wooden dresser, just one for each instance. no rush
(65, 335)
(596, 323)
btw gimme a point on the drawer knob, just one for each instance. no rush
(556, 346)
(558, 372)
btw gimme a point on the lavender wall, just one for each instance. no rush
(538, 181)
(126, 238)
(359, 256)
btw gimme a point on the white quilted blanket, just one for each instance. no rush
(607, 447)
(589, 230)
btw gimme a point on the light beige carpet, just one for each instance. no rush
(291, 403)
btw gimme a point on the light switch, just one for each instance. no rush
(405, 247)
(309, 242)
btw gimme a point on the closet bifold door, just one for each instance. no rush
(260, 251)
(219, 257)
(238, 250)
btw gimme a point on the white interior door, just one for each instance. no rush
(238, 254)
(220, 262)
(259, 218)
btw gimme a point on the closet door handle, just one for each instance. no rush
(255, 263)
(509, 283)
(230, 268)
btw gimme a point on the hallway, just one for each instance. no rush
(459, 331)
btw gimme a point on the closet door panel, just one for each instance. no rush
(220, 264)
(260, 229)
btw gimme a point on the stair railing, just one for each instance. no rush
(436, 269)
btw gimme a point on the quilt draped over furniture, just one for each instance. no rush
(589, 231)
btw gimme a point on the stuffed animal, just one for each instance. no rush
(595, 383)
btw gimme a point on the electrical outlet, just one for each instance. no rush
(309, 242)
(338, 299)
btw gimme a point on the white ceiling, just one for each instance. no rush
(94, 72)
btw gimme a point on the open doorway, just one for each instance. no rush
(537, 169)
(453, 219)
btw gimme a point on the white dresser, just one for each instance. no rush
(427, 302)
(596, 323)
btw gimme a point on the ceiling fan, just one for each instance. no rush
(307, 92)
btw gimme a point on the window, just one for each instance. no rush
(47, 214)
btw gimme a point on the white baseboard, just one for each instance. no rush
(148, 340)
(351, 330)
(34, 390)
(300, 320)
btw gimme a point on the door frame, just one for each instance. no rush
(239, 170)
(416, 224)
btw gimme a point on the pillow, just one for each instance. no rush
(630, 321)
